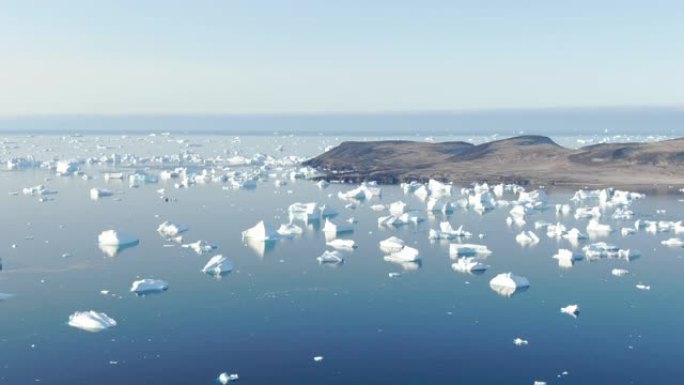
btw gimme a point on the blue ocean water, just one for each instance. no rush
(279, 307)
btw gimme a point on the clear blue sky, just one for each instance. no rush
(184, 57)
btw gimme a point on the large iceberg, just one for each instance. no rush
(91, 321)
(507, 284)
(261, 232)
(114, 238)
(149, 285)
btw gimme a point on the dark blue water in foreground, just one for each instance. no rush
(270, 317)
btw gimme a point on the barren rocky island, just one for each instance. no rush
(525, 160)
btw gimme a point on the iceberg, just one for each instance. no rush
(304, 211)
(332, 228)
(507, 284)
(170, 230)
(673, 242)
(597, 228)
(566, 258)
(447, 232)
(91, 321)
(527, 238)
(218, 265)
(398, 208)
(391, 244)
(468, 249)
(97, 193)
(199, 247)
(520, 342)
(224, 378)
(406, 254)
(603, 250)
(261, 232)
(469, 265)
(344, 244)
(114, 238)
(289, 230)
(619, 272)
(571, 310)
(330, 257)
(642, 286)
(439, 205)
(149, 285)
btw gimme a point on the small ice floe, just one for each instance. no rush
(673, 242)
(318, 358)
(398, 208)
(508, 284)
(469, 265)
(625, 231)
(97, 193)
(537, 382)
(330, 257)
(114, 238)
(218, 265)
(307, 212)
(289, 230)
(573, 235)
(261, 232)
(642, 286)
(527, 238)
(199, 247)
(391, 245)
(378, 207)
(468, 250)
(406, 254)
(224, 378)
(596, 228)
(447, 232)
(566, 258)
(603, 250)
(571, 310)
(343, 244)
(520, 342)
(394, 275)
(171, 230)
(91, 321)
(619, 272)
(148, 286)
(333, 228)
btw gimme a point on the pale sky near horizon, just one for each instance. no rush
(226, 57)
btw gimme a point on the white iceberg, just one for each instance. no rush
(199, 247)
(673, 242)
(218, 265)
(149, 285)
(469, 265)
(289, 230)
(332, 228)
(330, 257)
(261, 232)
(507, 284)
(345, 244)
(619, 272)
(468, 249)
(391, 244)
(406, 254)
(114, 238)
(571, 310)
(520, 342)
(91, 321)
(224, 378)
(642, 286)
(527, 238)
(306, 212)
(398, 208)
(170, 230)
(97, 193)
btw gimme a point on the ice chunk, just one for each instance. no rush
(345, 244)
(391, 244)
(289, 230)
(468, 265)
(398, 208)
(627, 231)
(468, 249)
(330, 257)
(114, 238)
(149, 285)
(318, 358)
(571, 310)
(97, 193)
(332, 228)
(218, 265)
(447, 232)
(378, 207)
(91, 321)
(527, 238)
(304, 211)
(507, 284)
(406, 254)
(261, 232)
(642, 286)
(598, 228)
(199, 247)
(566, 258)
(673, 242)
(520, 342)
(619, 272)
(224, 378)
(170, 230)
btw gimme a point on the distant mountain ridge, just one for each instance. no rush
(527, 159)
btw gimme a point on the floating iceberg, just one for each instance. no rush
(440, 205)
(345, 244)
(571, 310)
(330, 257)
(289, 230)
(507, 284)
(218, 265)
(619, 272)
(304, 211)
(468, 249)
(527, 238)
(398, 208)
(114, 238)
(566, 258)
(261, 232)
(391, 244)
(332, 228)
(97, 193)
(469, 265)
(91, 321)
(642, 286)
(149, 285)
(603, 250)
(406, 254)
(447, 232)
(673, 242)
(170, 230)
(199, 247)
(520, 342)
(598, 228)
(224, 378)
